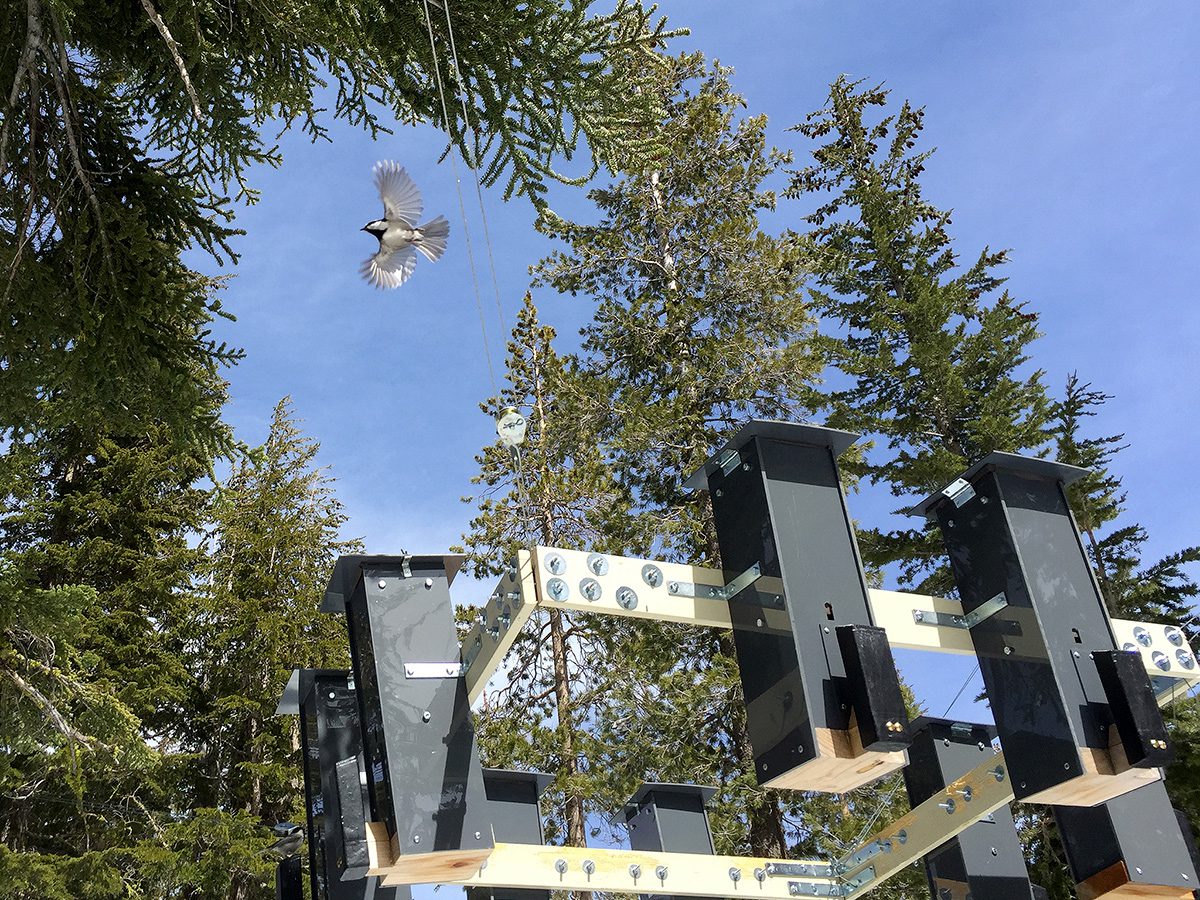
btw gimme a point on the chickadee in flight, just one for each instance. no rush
(398, 233)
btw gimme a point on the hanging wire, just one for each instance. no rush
(462, 207)
(891, 794)
(462, 97)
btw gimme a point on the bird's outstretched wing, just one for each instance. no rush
(401, 197)
(390, 268)
(433, 238)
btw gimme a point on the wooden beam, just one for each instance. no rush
(612, 871)
(505, 614)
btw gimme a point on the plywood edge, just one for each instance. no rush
(1106, 776)
(842, 764)
(434, 868)
(1113, 883)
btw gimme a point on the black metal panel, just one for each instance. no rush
(513, 803)
(1134, 708)
(1017, 536)
(289, 885)
(417, 730)
(670, 818)
(778, 503)
(873, 688)
(336, 807)
(516, 819)
(1139, 828)
(987, 857)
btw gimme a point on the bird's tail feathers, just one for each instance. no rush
(433, 238)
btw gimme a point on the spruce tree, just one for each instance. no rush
(271, 546)
(933, 350)
(699, 325)
(555, 491)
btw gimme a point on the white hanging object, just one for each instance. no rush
(510, 426)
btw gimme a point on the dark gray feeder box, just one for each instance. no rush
(1017, 555)
(985, 862)
(823, 704)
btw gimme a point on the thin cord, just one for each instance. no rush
(487, 238)
(883, 804)
(462, 207)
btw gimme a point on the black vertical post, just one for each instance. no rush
(1131, 846)
(670, 818)
(289, 885)
(513, 799)
(330, 744)
(778, 504)
(1020, 566)
(423, 773)
(986, 861)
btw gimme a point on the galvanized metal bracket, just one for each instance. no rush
(434, 670)
(728, 591)
(958, 492)
(847, 888)
(984, 611)
(799, 870)
(870, 851)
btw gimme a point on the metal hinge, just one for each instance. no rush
(959, 492)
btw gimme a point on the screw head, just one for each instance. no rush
(635, 871)
(918, 615)
(428, 583)
(591, 589)
(557, 589)
(426, 716)
(478, 835)
(1008, 650)
(652, 575)
(660, 872)
(556, 563)
(560, 866)
(760, 874)
(382, 584)
(416, 839)
(588, 867)
(597, 563)
(735, 874)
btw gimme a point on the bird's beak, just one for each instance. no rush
(364, 228)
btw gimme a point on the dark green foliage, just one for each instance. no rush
(934, 352)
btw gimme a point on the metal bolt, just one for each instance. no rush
(652, 575)
(416, 839)
(918, 615)
(478, 835)
(981, 746)
(948, 805)
(1174, 635)
(1161, 660)
(995, 852)
(1142, 636)
(557, 589)
(1008, 650)
(1075, 653)
(735, 874)
(590, 588)
(428, 583)
(760, 874)
(660, 872)
(902, 836)
(759, 622)
(597, 563)
(382, 584)
(635, 871)
(426, 716)
(966, 793)
(950, 523)
(984, 500)
(1066, 767)
(560, 866)
(627, 598)
(1138, 869)
(673, 587)
(1185, 658)
(588, 867)
(718, 492)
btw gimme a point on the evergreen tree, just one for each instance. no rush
(933, 352)
(699, 325)
(126, 127)
(1162, 591)
(272, 544)
(555, 491)
(93, 585)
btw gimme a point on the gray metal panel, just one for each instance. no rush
(1016, 536)
(1013, 462)
(1139, 828)
(423, 766)
(348, 569)
(513, 807)
(791, 432)
(782, 507)
(987, 856)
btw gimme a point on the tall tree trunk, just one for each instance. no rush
(573, 804)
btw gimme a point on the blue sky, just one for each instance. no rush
(1065, 132)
